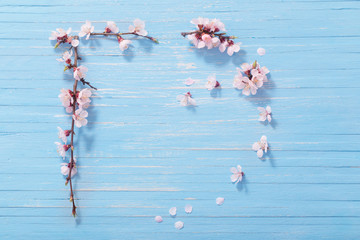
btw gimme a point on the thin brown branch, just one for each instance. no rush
(72, 199)
(127, 33)
(220, 35)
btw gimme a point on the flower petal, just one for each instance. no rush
(158, 219)
(179, 225)
(188, 208)
(220, 201)
(172, 211)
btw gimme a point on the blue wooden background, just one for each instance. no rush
(143, 153)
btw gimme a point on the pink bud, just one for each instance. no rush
(66, 147)
(107, 30)
(67, 132)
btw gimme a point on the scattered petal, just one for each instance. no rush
(188, 208)
(172, 211)
(237, 174)
(158, 219)
(220, 201)
(179, 225)
(261, 51)
(189, 81)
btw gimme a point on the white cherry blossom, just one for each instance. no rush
(111, 27)
(86, 30)
(80, 117)
(66, 57)
(124, 44)
(212, 83)
(80, 72)
(237, 174)
(233, 48)
(62, 148)
(66, 99)
(138, 27)
(83, 99)
(65, 168)
(261, 146)
(63, 134)
(186, 99)
(59, 33)
(244, 83)
(265, 114)
(223, 46)
(200, 22)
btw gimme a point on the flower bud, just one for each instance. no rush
(67, 132)
(74, 211)
(66, 147)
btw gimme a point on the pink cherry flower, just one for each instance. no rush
(66, 57)
(261, 146)
(65, 168)
(193, 39)
(186, 99)
(260, 73)
(265, 114)
(62, 36)
(246, 68)
(83, 98)
(215, 25)
(244, 83)
(63, 134)
(200, 22)
(223, 46)
(124, 44)
(261, 51)
(237, 174)
(220, 201)
(179, 225)
(172, 211)
(158, 219)
(86, 30)
(212, 83)
(138, 27)
(233, 48)
(189, 81)
(188, 209)
(111, 27)
(62, 148)
(80, 72)
(59, 34)
(80, 117)
(66, 98)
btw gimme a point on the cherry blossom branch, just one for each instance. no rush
(76, 102)
(208, 35)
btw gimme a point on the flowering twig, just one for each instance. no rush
(208, 34)
(74, 101)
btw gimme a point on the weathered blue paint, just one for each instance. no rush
(142, 153)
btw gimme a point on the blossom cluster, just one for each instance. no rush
(250, 78)
(210, 34)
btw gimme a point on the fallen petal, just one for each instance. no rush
(158, 219)
(179, 225)
(220, 201)
(172, 211)
(261, 51)
(188, 208)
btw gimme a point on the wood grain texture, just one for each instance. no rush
(143, 153)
